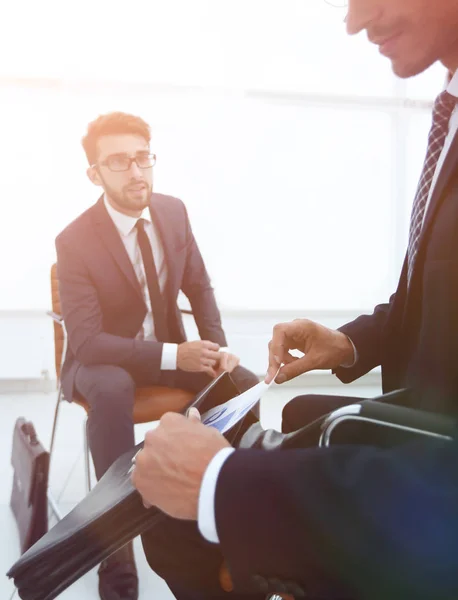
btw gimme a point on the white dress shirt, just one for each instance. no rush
(206, 511)
(128, 232)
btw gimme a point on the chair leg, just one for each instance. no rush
(56, 415)
(53, 506)
(51, 500)
(87, 457)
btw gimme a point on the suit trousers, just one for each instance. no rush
(307, 409)
(110, 392)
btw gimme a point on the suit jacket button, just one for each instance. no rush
(260, 583)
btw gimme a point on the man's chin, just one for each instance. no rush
(137, 201)
(405, 70)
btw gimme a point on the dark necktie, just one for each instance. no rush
(443, 108)
(157, 301)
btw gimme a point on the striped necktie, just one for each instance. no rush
(443, 108)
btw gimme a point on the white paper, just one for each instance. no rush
(226, 415)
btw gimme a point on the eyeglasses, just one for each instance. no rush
(120, 162)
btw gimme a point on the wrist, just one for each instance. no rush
(346, 350)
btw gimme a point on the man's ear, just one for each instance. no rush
(93, 175)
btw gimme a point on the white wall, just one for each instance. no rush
(27, 348)
(294, 147)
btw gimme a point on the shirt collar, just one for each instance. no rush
(452, 87)
(124, 223)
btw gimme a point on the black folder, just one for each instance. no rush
(110, 516)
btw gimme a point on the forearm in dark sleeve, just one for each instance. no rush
(367, 333)
(382, 523)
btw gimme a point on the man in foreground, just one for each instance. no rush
(348, 522)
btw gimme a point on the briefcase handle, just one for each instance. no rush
(29, 430)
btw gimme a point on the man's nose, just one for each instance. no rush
(360, 14)
(135, 171)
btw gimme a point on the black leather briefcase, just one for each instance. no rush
(110, 516)
(30, 482)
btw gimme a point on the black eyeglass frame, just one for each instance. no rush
(130, 159)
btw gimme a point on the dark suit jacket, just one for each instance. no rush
(415, 336)
(342, 522)
(101, 300)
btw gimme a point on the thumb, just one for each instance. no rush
(296, 367)
(193, 414)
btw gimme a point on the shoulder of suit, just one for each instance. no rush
(78, 225)
(164, 200)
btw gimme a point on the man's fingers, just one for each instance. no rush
(273, 370)
(213, 374)
(276, 348)
(269, 376)
(193, 414)
(207, 362)
(210, 345)
(297, 367)
(211, 354)
(224, 361)
(289, 358)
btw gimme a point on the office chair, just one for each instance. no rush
(150, 402)
(375, 423)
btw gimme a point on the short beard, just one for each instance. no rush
(122, 200)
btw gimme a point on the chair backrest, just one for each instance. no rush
(59, 333)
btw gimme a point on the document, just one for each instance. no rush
(226, 415)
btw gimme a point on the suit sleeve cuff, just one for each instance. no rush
(169, 357)
(206, 510)
(355, 356)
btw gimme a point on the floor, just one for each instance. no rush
(67, 474)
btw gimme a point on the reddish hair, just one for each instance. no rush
(115, 123)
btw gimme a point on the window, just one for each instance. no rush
(291, 144)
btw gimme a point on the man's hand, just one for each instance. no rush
(168, 471)
(227, 362)
(198, 356)
(323, 348)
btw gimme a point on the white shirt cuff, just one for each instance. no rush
(206, 511)
(355, 356)
(169, 357)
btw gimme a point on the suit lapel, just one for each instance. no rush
(112, 240)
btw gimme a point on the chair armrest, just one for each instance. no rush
(419, 420)
(394, 424)
(55, 316)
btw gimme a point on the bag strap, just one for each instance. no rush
(29, 430)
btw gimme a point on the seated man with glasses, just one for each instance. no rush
(120, 266)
